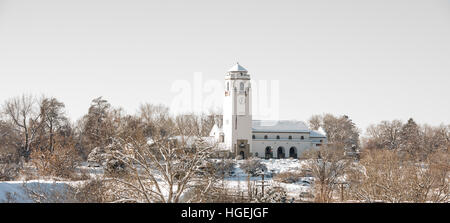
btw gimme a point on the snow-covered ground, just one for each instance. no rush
(18, 189)
(274, 166)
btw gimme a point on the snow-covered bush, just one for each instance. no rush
(92, 191)
(224, 168)
(273, 195)
(253, 166)
(98, 157)
(103, 157)
(115, 167)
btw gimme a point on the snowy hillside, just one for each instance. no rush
(24, 191)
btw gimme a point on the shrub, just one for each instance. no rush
(115, 167)
(224, 168)
(8, 171)
(253, 166)
(93, 191)
(9, 166)
(273, 195)
(60, 162)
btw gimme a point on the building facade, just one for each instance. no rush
(244, 137)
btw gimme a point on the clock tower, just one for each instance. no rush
(237, 112)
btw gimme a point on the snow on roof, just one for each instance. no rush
(279, 126)
(316, 134)
(237, 68)
(215, 129)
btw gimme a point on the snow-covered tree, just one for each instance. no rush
(164, 165)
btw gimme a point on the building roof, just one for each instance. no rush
(279, 126)
(316, 134)
(237, 68)
(284, 126)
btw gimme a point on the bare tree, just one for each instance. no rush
(315, 122)
(340, 130)
(387, 176)
(96, 128)
(53, 120)
(328, 166)
(22, 115)
(385, 135)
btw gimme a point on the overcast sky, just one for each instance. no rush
(372, 60)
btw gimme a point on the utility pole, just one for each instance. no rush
(263, 183)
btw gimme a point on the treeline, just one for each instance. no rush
(394, 162)
(38, 131)
(411, 138)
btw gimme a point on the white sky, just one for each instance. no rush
(372, 60)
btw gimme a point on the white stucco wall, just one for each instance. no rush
(260, 144)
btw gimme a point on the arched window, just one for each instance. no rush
(280, 153)
(242, 86)
(278, 137)
(290, 137)
(302, 137)
(269, 153)
(293, 153)
(265, 137)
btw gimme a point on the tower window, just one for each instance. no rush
(254, 137)
(290, 137)
(242, 86)
(278, 137)
(302, 137)
(228, 86)
(265, 137)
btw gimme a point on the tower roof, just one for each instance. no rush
(237, 68)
